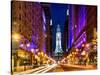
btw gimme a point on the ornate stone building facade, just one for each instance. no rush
(27, 20)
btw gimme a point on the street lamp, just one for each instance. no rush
(16, 37)
(37, 50)
(38, 53)
(83, 45)
(83, 53)
(22, 45)
(32, 50)
(76, 50)
(87, 45)
(28, 45)
(42, 53)
(45, 55)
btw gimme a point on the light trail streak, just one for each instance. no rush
(46, 69)
(50, 68)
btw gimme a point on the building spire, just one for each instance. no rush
(58, 28)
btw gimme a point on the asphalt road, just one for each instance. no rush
(64, 68)
(57, 68)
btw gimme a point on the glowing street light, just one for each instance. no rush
(37, 50)
(38, 53)
(87, 45)
(36, 56)
(42, 53)
(45, 56)
(75, 26)
(32, 50)
(73, 53)
(16, 36)
(21, 45)
(83, 45)
(28, 45)
(83, 53)
(76, 50)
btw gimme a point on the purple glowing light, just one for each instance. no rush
(81, 19)
(81, 40)
(44, 21)
(22, 45)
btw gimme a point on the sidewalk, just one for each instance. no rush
(28, 71)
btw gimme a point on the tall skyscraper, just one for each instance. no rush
(29, 22)
(65, 34)
(48, 26)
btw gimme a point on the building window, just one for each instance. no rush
(19, 16)
(20, 6)
(25, 14)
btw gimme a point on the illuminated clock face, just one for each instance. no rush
(58, 34)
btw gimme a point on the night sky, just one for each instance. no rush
(58, 15)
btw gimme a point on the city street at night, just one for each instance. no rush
(57, 68)
(52, 37)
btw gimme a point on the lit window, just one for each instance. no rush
(51, 22)
(67, 11)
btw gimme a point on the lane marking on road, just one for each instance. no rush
(49, 68)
